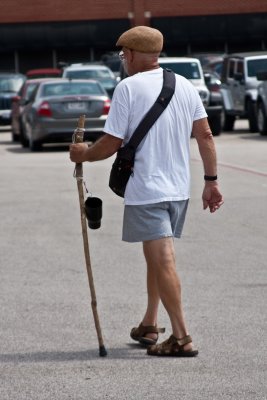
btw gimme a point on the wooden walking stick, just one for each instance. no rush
(78, 138)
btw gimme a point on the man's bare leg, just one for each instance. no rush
(160, 258)
(151, 315)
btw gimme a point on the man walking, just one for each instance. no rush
(156, 196)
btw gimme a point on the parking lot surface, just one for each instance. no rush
(49, 348)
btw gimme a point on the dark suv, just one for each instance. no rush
(10, 84)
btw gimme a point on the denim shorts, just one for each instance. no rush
(154, 221)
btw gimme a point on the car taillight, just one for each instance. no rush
(215, 88)
(44, 110)
(106, 107)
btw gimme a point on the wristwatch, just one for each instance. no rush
(210, 178)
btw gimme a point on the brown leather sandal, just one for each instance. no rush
(139, 334)
(172, 347)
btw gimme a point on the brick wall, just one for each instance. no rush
(62, 10)
(203, 7)
(14, 11)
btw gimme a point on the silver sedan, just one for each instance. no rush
(51, 113)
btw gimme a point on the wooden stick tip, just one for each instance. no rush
(81, 121)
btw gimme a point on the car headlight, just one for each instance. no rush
(204, 95)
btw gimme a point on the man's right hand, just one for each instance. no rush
(103, 148)
(78, 152)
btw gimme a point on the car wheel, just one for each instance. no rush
(35, 145)
(252, 116)
(262, 119)
(215, 125)
(14, 136)
(23, 139)
(227, 121)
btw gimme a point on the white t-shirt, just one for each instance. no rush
(161, 168)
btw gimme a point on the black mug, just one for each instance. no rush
(93, 211)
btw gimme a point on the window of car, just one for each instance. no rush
(231, 68)
(256, 66)
(240, 67)
(10, 84)
(33, 94)
(29, 90)
(88, 74)
(71, 88)
(189, 70)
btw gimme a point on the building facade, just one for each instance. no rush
(34, 33)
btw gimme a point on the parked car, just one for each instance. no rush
(215, 66)
(44, 73)
(208, 58)
(112, 60)
(262, 103)
(17, 107)
(10, 84)
(240, 87)
(191, 69)
(51, 114)
(93, 71)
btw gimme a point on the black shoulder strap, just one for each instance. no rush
(156, 110)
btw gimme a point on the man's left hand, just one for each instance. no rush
(212, 198)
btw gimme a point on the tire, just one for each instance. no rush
(23, 139)
(215, 125)
(228, 122)
(14, 136)
(35, 145)
(252, 116)
(262, 119)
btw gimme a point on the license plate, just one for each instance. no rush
(77, 106)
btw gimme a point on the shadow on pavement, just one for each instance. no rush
(46, 149)
(254, 136)
(62, 356)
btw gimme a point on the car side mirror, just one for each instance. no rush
(262, 76)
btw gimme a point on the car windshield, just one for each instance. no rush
(190, 70)
(89, 74)
(256, 66)
(71, 88)
(10, 84)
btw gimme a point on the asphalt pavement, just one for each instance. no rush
(49, 347)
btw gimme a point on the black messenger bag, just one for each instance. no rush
(122, 167)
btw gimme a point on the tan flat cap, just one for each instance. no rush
(143, 39)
